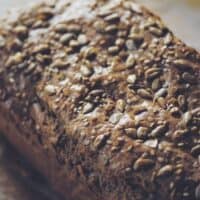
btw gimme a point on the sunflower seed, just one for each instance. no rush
(111, 29)
(197, 192)
(196, 150)
(61, 28)
(160, 93)
(151, 143)
(152, 73)
(112, 18)
(183, 64)
(66, 38)
(142, 132)
(131, 132)
(187, 117)
(144, 94)
(130, 45)
(60, 64)
(42, 48)
(156, 31)
(181, 101)
(2, 41)
(179, 134)
(120, 105)
(155, 84)
(188, 78)
(45, 13)
(88, 107)
(143, 163)
(15, 59)
(86, 71)
(114, 118)
(165, 171)
(113, 49)
(158, 131)
(82, 39)
(21, 31)
(100, 141)
(131, 79)
(50, 89)
(130, 62)
(168, 39)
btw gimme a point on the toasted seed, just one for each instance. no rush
(88, 107)
(188, 78)
(179, 134)
(181, 101)
(60, 64)
(158, 131)
(197, 192)
(183, 64)
(100, 140)
(131, 79)
(144, 94)
(175, 111)
(21, 31)
(42, 48)
(113, 49)
(82, 39)
(120, 42)
(130, 45)
(2, 41)
(155, 84)
(66, 38)
(196, 150)
(152, 73)
(139, 109)
(130, 62)
(131, 132)
(136, 8)
(61, 28)
(152, 143)
(114, 118)
(120, 105)
(165, 171)
(45, 13)
(111, 29)
(74, 28)
(15, 59)
(50, 89)
(160, 93)
(143, 163)
(112, 18)
(187, 117)
(156, 31)
(104, 13)
(86, 71)
(142, 132)
(90, 53)
(168, 39)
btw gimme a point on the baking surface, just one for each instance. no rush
(16, 183)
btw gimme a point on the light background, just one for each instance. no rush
(182, 16)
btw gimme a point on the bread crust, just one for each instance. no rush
(103, 100)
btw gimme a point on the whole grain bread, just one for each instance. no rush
(103, 100)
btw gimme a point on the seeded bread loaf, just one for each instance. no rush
(103, 100)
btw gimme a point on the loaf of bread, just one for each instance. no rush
(103, 100)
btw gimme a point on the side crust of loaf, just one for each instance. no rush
(103, 100)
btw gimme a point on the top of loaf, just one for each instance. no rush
(110, 75)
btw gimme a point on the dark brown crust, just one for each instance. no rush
(105, 104)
